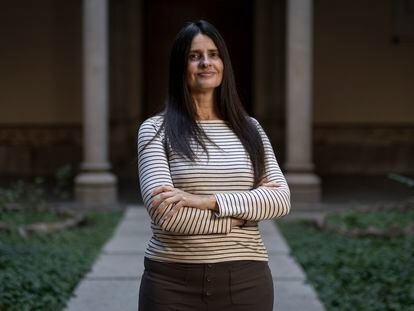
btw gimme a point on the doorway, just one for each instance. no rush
(162, 21)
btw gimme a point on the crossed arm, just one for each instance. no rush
(181, 212)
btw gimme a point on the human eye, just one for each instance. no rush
(214, 54)
(194, 56)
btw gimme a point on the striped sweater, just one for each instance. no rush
(204, 236)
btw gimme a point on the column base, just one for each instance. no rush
(96, 190)
(304, 187)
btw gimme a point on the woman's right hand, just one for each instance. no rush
(236, 222)
(268, 184)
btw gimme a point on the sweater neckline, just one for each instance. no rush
(211, 121)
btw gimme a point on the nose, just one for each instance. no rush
(205, 61)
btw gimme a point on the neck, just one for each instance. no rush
(204, 102)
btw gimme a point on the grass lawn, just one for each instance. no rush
(40, 272)
(357, 273)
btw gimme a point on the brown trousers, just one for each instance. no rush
(231, 286)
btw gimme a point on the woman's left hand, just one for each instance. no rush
(166, 195)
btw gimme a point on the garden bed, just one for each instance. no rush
(364, 272)
(40, 271)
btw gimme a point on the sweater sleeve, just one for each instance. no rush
(154, 171)
(260, 203)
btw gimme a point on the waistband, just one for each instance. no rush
(179, 269)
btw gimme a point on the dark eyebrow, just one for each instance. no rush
(198, 51)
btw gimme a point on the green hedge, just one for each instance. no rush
(382, 219)
(364, 274)
(40, 273)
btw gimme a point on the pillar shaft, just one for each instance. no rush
(304, 184)
(95, 85)
(299, 85)
(95, 185)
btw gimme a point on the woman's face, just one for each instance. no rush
(204, 65)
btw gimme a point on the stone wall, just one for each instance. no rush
(364, 149)
(345, 150)
(31, 150)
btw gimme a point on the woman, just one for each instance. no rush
(208, 174)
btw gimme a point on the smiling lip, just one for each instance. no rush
(206, 73)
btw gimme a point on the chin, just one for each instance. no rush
(208, 85)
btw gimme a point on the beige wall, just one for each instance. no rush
(360, 75)
(40, 61)
(269, 67)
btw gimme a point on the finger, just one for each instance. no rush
(160, 189)
(173, 210)
(263, 181)
(160, 209)
(250, 223)
(270, 187)
(164, 205)
(160, 198)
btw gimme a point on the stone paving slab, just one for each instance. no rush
(272, 238)
(134, 244)
(134, 211)
(113, 282)
(133, 227)
(117, 266)
(106, 295)
(283, 267)
(295, 296)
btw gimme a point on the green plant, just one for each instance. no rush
(24, 195)
(12, 195)
(63, 177)
(32, 194)
(382, 219)
(41, 272)
(357, 273)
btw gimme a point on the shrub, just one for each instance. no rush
(40, 273)
(357, 273)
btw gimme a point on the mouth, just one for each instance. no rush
(206, 74)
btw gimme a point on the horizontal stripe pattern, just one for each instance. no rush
(203, 236)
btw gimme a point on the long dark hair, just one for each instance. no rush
(180, 113)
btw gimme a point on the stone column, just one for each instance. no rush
(95, 185)
(304, 184)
